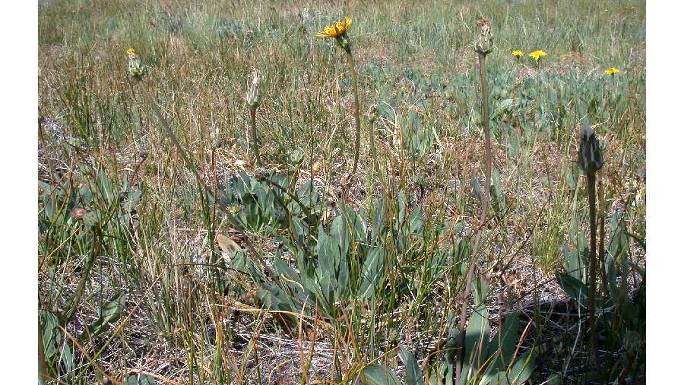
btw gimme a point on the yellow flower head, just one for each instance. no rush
(538, 54)
(612, 71)
(517, 53)
(337, 29)
(135, 67)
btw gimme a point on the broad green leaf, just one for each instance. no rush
(50, 334)
(371, 272)
(476, 342)
(507, 340)
(379, 375)
(339, 235)
(480, 290)
(274, 298)
(326, 263)
(139, 379)
(109, 313)
(477, 188)
(67, 359)
(573, 287)
(414, 376)
(522, 370)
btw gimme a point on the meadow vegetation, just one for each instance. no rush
(214, 218)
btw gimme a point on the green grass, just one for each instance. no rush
(190, 313)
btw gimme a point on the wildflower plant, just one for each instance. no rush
(484, 44)
(338, 31)
(137, 70)
(537, 56)
(135, 67)
(517, 53)
(590, 160)
(612, 71)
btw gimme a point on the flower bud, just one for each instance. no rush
(373, 113)
(484, 42)
(589, 156)
(253, 97)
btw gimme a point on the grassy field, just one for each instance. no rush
(176, 249)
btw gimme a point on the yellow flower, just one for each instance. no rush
(612, 71)
(131, 53)
(517, 53)
(538, 54)
(135, 68)
(336, 30)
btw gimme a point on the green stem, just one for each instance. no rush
(253, 134)
(591, 190)
(357, 120)
(483, 216)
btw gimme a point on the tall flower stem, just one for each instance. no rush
(488, 145)
(483, 216)
(590, 159)
(591, 191)
(357, 120)
(254, 141)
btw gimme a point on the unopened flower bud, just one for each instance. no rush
(373, 113)
(253, 97)
(589, 155)
(484, 42)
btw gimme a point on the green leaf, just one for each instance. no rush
(507, 340)
(50, 334)
(371, 272)
(522, 370)
(67, 359)
(139, 379)
(501, 107)
(477, 188)
(573, 287)
(414, 376)
(326, 264)
(109, 313)
(379, 375)
(476, 341)
(379, 219)
(498, 198)
(480, 291)
(357, 224)
(274, 298)
(106, 187)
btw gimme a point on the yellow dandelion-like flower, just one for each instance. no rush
(337, 29)
(538, 54)
(135, 67)
(517, 53)
(131, 53)
(612, 71)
